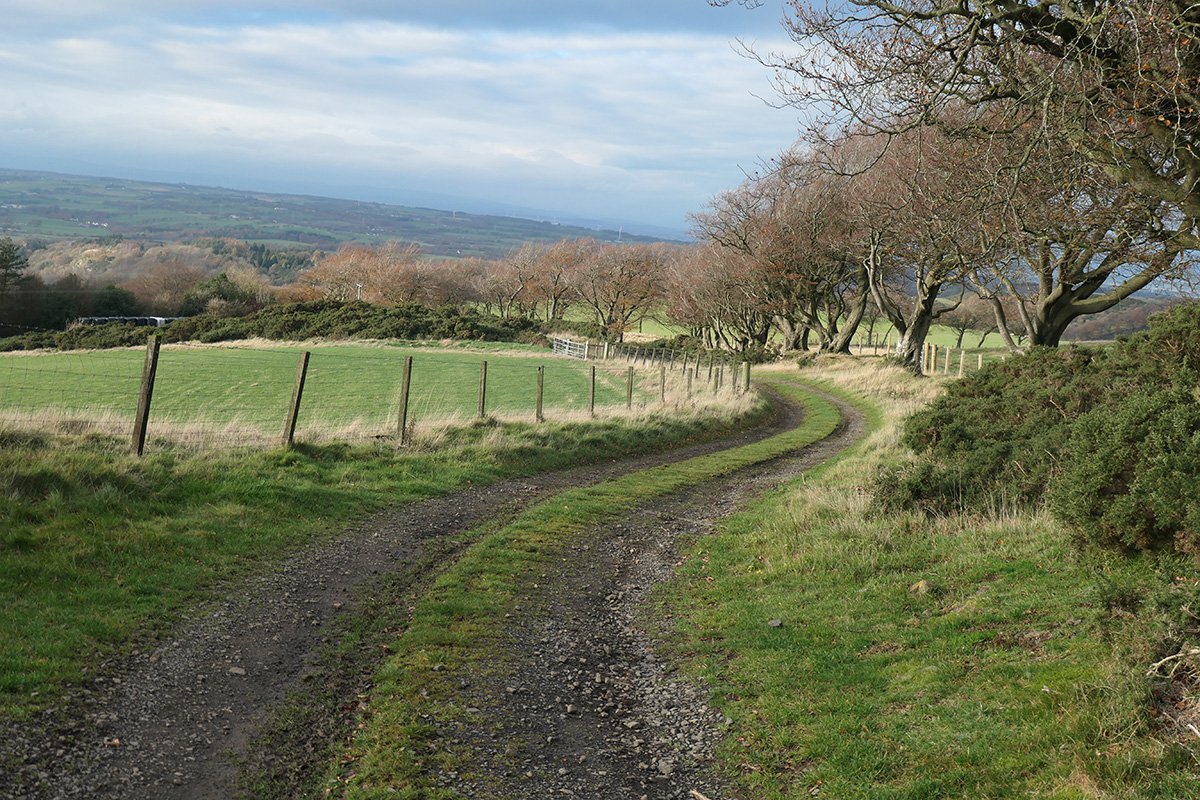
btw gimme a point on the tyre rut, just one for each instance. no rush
(578, 703)
(179, 716)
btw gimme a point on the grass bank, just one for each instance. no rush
(965, 656)
(452, 630)
(96, 545)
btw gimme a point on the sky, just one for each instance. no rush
(629, 111)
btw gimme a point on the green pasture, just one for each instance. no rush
(350, 391)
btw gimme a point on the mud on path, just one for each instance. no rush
(585, 707)
(195, 715)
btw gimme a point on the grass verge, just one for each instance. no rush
(394, 754)
(96, 545)
(982, 657)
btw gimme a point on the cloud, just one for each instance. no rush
(546, 15)
(604, 120)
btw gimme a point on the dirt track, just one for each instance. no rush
(196, 715)
(588, 708)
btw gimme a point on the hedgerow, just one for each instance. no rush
(320, 319)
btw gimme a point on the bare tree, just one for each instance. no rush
(1115, 81)
(618, 282)
(162, 288)
(972, 314)
(551, 288)
(724, 292)
(922, 207)
(1076, 241)
(787, 233)
(342, 275)
(454, 281)
(504, 285)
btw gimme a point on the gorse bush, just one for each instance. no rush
(298, 321)
(1110, 439)
(1133, 476)
(995, 436)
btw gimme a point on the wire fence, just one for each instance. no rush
(262, 396)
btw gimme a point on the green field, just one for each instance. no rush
(242, 394)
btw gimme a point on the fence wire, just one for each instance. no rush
(240, 396)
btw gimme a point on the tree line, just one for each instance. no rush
(1038, 157)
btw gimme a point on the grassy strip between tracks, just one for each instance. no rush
(97, 546)
(393, 754)
(981, 657)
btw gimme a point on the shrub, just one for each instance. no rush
(1133, 476)
(1110, 438)
(996, 434)
(297, 321)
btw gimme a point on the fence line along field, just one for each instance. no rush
(240, 395)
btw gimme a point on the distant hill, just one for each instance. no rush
(50, 206)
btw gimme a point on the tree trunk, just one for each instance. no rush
(1002, 323)
(841, 342)
(910, 347)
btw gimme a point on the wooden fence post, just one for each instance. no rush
(747, 376)
(592, 394)
(962, 362)
(629, 390)
(586, 349)
(482, 410)
(405, 383)
(690, 374)
(980, 366)
(149, 370)
(662, 382)
(710, 366)
(541, 380)
(289, 431)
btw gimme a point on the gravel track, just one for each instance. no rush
(182, 716)
(586, 707)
